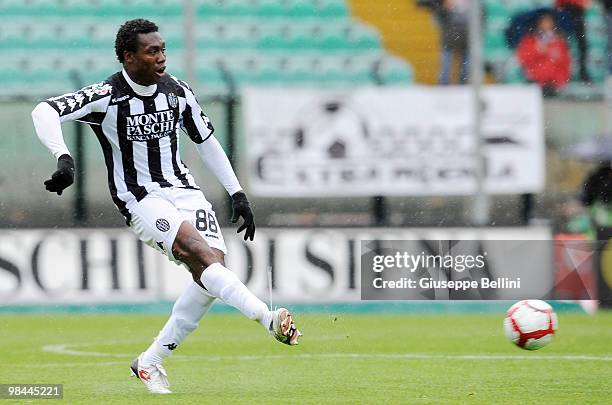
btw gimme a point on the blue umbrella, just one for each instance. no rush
(522, 24)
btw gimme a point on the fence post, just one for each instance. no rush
(80, 201)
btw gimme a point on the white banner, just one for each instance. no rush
(111, 265)
(391, 141)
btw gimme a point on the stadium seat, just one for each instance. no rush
(267, 71)
(33, 8)
(513, 72)
(269, 9)
(279, 35)
(299, 37)
(15, 35)
(361, 36)
(393, 70)
(301, 9)
(331, 37)
(332, 8)
(301, 71)
(496, 10)
(271, 37)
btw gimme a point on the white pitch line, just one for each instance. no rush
(65, 349)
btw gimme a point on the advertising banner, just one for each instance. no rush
(391, 141)
(305, 265)
(603, 267)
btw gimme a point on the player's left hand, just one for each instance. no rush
(242, 208)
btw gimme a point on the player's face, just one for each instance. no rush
(146, 66)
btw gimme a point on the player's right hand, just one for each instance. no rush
(63, 176)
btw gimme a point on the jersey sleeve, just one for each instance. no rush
(193, 120)
(90, 99)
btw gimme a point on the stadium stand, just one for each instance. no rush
(46, 44)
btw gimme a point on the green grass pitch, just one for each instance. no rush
(348, 359)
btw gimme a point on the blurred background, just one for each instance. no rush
(345, 120)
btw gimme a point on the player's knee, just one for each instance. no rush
(195, 252)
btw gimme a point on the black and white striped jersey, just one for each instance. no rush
(138, 134)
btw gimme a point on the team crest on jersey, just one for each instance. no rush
(162, 224)
(172, 100)
(102, 88)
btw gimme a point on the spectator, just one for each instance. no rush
(597, 195)
(452, 17)
(574, 11)
(607, 5)
(544, 56)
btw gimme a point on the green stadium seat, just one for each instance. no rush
(225, 36)
(302, 42)
(393, 70)
(271, 37)
(209, 73)
(513, 72)
(238, 8)
(301, 9)
(299, 70)
(206, 36)
(332, 8)
(361, 36)
(270, 9)
(495, 9)
(142, 8)
(520, 6)
(267, 71)
(495, 48)
(224, 8)
(346, 71)
(299, 36)
(33, 8)
(332, 37)
(15, 35)
(497, 24)
(110, 8)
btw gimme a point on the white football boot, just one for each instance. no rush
(283, 329)
(154, 377)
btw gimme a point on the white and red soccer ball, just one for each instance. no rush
(530, 324)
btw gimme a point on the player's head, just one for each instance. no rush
(141, 50)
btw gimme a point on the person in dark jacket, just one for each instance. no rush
(574, 10)
(607, 6)
(452, 18)
(596, 195)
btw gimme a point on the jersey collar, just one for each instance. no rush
(139, 89)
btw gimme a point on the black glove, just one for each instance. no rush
(63, 176)
(242, 208)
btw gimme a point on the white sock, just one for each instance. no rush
(224, 284)
(187, 311)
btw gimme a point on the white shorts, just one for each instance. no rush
(156, 219)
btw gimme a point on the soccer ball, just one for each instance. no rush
(530, 324)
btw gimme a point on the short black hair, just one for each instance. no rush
(127, 36)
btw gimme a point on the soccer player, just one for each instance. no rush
(136, 115)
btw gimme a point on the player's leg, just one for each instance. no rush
(207, 266)
(187, 311)
(156, 221)
(199, 244)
